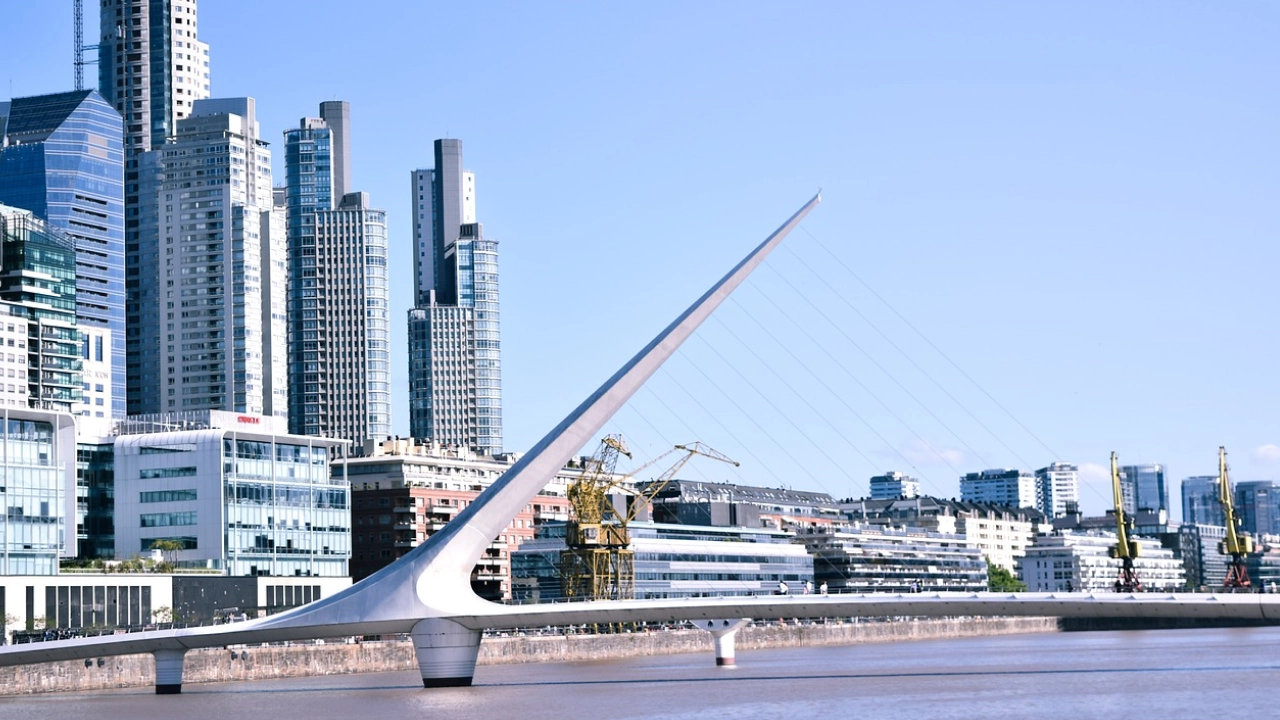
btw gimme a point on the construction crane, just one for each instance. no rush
(598, 563)
(1125, 549)
(78, 43)
(1235, 544)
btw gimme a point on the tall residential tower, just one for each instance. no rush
(152, 68)
(210, 244)
(339, 335)
(455, 358)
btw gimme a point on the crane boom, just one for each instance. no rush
(598, 563)
(1236, 544)
(1126, 549)
(78, 46)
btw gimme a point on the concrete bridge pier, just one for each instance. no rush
(724, 632)
(446, 652)
(168, 671)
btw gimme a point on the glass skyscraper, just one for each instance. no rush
(1200, 504)
(1143, 487)
(63, 160)
(1258, 506)
(455, 357)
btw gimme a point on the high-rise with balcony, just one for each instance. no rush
(61, 158)
(1013, 488)
(152, 68)
(339, 335)
(38, 290)
(210, 244)
(1056, 486)
(455, 359)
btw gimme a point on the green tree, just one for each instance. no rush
(169, 550)
(1001, 580)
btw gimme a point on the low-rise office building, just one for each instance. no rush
(1002, 533)
(75, 603)
(1081, 562)
(38, 459)
(676, 561)
(234, 492)
(690, 502)
(867, 559)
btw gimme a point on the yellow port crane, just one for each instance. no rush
(1235, 544)
(1125, 549)
(598, 563)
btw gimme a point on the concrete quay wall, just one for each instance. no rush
(337, 658)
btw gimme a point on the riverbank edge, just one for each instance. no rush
(340, 658)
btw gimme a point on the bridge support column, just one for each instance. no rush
(169, 671)
(446, 652)
(724, 631)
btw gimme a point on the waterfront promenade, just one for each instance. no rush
(262, 662)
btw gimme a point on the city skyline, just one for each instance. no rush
(1075, 212)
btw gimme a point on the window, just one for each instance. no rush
(157, 473)
(168, 519)
(153, 496)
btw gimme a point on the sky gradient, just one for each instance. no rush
(1074, 203)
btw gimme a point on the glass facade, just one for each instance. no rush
(1143, 487)
(65, 163)
(308, 179)
(285, 515)
(95, 500)
(1258, 507)
(39, 276)
(455, 352)
(33, 496)
(1200, 505)
(338, 304)
(675, 561)
(243, 502)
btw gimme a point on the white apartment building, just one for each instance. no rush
(1002, 533)
(1081, 562)
(13, 356)
(1057, 485)
(894, 484)
(1011, 488)
(351, 381)
(215, 338)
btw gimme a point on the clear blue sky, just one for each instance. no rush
(1075, 202)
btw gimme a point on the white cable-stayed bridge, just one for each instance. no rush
(427, 593)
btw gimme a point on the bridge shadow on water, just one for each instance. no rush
(735, 677)
(887, 676)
